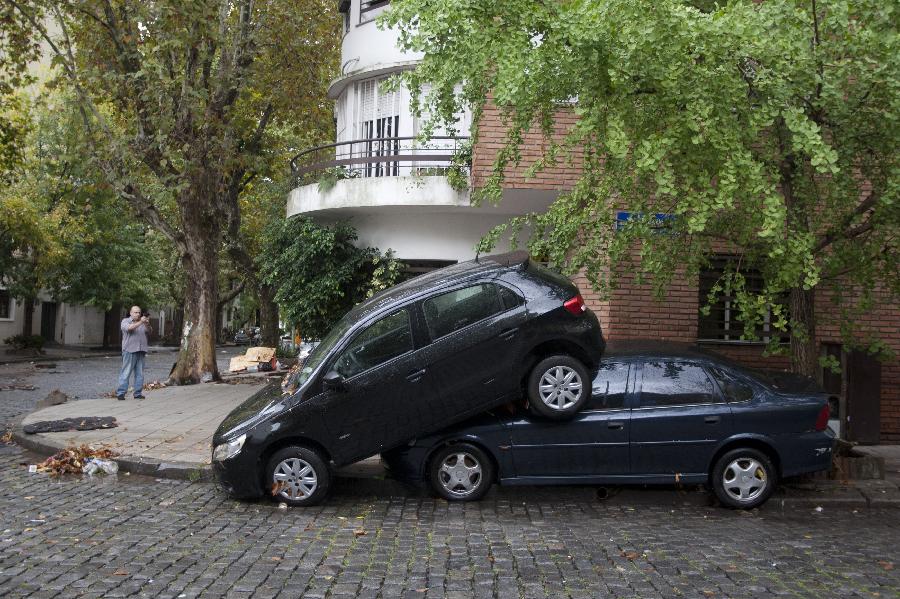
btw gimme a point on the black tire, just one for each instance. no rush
(461, 472)
(557, 403)
(288, 480)
(744, 478)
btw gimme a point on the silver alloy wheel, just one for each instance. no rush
(744, 479)
(560, 387)
(296, 478)
(460, 474)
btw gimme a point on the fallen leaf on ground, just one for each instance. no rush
(359, 532)
(632, 555)
(886, 565)
(120, 572)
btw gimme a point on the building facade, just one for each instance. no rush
(400, 195)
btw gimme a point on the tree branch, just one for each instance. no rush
(844, 230)
(224, 299)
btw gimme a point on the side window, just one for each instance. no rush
(383, 340)
(674, 383)
(609, 387)
(456, 309)
(732, 387)
(510, 298)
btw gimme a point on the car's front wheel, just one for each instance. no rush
(298, 476)
(558, 387)
(461, 472)
(744, 478)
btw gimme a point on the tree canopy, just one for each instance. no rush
(768, 129)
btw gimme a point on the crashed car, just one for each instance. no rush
(657, 415)
(414, 359)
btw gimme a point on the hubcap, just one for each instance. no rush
(460, 474)
(295, 479)
(560, 387)
(744, 479)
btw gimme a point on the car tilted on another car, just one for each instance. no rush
(415, 359)
(655, 417)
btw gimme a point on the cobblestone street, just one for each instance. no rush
(136, 536)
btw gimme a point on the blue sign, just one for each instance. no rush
(660, 222)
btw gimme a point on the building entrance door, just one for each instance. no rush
(48, 321)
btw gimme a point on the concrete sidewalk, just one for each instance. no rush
(168, 435)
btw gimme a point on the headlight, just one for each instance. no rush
(229, 449)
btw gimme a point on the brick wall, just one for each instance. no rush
(632, 312)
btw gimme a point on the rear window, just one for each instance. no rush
(732, 387)
(459, 308)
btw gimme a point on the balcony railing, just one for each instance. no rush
(380, 157)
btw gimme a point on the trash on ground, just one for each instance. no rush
(154, 385)
(99, 465)
(54, 398)
(253, 358)
(83, 423)
(72, 459)
(17, 387)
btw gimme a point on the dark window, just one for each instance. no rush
(609, 387)
(369, 9)
(673, 383)
(5, 304)
(510, 298)
(459, 308)
(722, 323)
(382, 341)
(732, 387)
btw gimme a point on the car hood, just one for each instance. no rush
(258, 407)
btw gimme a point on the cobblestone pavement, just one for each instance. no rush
(135, 536)
(86, 378)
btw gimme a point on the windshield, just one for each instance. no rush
(300, 373)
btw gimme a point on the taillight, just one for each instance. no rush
(575, 305)
(822, 420)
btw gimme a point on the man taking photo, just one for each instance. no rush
(135, 329)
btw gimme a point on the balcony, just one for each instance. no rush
(361, 176)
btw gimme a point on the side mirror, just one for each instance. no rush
(333, 380)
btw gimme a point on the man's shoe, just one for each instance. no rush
(120, 397)
(139, 396)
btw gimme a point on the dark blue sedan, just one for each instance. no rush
(655, 417)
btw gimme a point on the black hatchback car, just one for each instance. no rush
(655, 417)
(414, 359)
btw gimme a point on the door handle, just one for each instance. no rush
(615, 425)
(413, 377)
(509, 333)
(711, 420)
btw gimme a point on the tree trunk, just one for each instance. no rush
(28, 309)
(268, 315)
(202, 235)
(804, 350)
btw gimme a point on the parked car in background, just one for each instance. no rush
(414, 359)
(248, 336)
(655, 417)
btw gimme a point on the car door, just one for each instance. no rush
(475, 342)
(680, 419)
(383, 399)
(594, 443)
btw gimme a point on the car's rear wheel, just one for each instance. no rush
(298, 476)
(744, 478)
(461, 472)
(558, 387)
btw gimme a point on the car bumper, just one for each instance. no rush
(239, 476)
(809, 452)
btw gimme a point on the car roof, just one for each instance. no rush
(442, 277)
(646, 348)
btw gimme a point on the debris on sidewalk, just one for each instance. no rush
(17, 387)
(254, 358)
(84, 423)
(72, 459)
(54, 398)
(99, 465)
(154, 385)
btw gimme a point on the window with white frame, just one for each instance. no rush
(369, 9)
(377, 122)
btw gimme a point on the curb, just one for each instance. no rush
(785, 497)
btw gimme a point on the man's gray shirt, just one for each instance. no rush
(133, 341)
